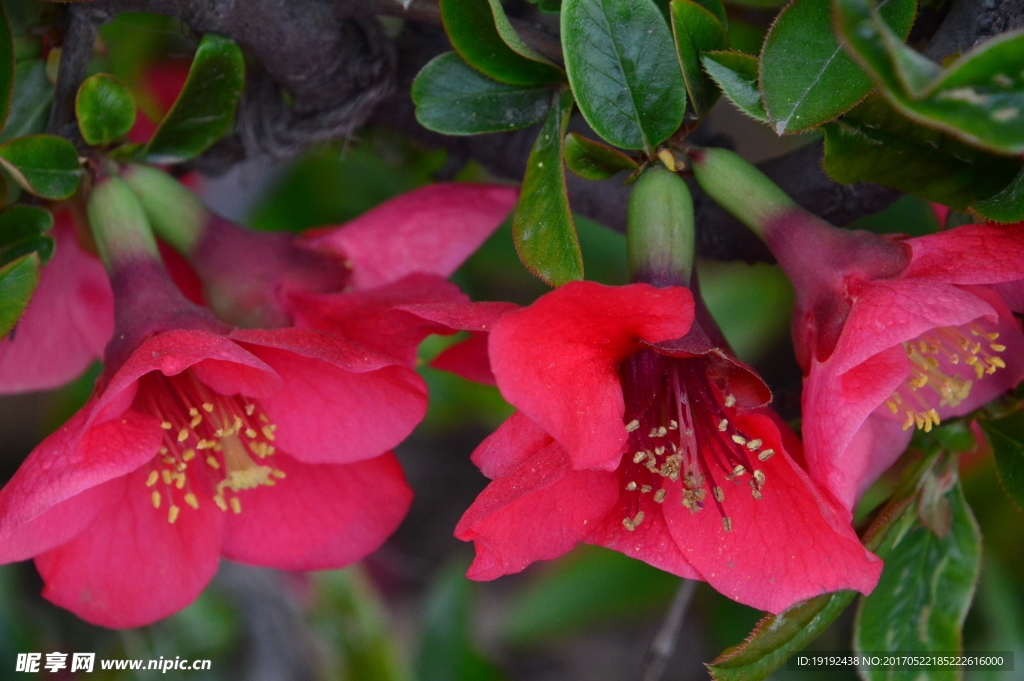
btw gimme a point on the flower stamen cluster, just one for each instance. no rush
(209, 439)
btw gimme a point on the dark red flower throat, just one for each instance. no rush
(681, 430)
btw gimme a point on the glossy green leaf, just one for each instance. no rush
(447, 651)
(697, 30)
(23, 222)
(593, 160)
(584, 590)
(806, 77)
(736, 75)
(979, 97)
(205, 108)
(624, 71)
(924, 593)
(45, 165)
(105, 109)
(483, 36)
(454, 99)
(1006, 435)
(30, 106)
(1007, 205)
(544, 231)
(548, 6)
(6, 66)
(18, 280)
(716, 8)
(874, 143)
(40, 245)
(776, 637)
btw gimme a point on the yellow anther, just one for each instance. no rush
(730, 400)
(628, 524)
(249, 409)
(759, 476)
(212, 462)
(236, 505)
(193, 411)
(166, 425)
(639, 456)
(673, 425)
(909, 422)
(723, 424)
(646, 489)
(632, 425)
(719, 493)
(196, 420)
(250, 433)
(192, 500)
(727, 524)
(219, 500)
(208, 407)
(659, 496)
(166, 475)
(631, 486)
(188, 455)
(756, 493)
(172, 513)
(754, 444)
(155, 498)
(153, 477)
(997, 362)
(279, 475)
(765, 454)
(739, 470)
(180, 482)
(268, 432)
(739, 439)
(996, 347)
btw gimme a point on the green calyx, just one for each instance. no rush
(740, 188)
(177, 215)
(119, 224)
(660, 229)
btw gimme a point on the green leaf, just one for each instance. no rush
(447, 652)
(18, 280)
(23, 222)
(593, 160)
(591, 587)
(624, 70)
(483, 36)
(716, 8)
(1006, 435)
(454, 99)
(806, 77)
(979, 97)
(874, 143)
(30, 107)
(697, 30)
(542, 224)
(776, 637)
(924, 593)
(45, 165)
(41, 245)
(1007, 205)
(205, 108)
(6, 66)
(105, 109)
(736, 75)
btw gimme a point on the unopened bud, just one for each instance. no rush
(660, 232)
(740, 188)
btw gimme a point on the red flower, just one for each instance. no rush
(268, 447)
(639, 433)
(67, 323)
(895, 333)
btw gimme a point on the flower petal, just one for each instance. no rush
(326, 414)
(70, 461)
(558, 360)
(131, 567)
(67, 323)
(794, 543)
(515, 440)
(468, 359)
(320, 517)
(650, 542)
(970, 254)
(432, 229)
(538, 511)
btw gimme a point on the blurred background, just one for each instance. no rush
(407, 612)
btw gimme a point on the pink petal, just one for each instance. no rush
(468, 359)
(432, 229)
(1013, 293)
(378, 318)
(970, 254)
(887, 313)
(792, 544)
(326, 414)
(67, 323)
(320, 517)
(70, 461)
(515, 440)
(651, 542)
(538, 511)
(131, 567)
(558, 360)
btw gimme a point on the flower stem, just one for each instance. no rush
(660, 229)
(177, 215)
(119, 225)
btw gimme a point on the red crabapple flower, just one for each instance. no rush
(639, 432)
(201, 441)
(893, 333)
(354, 275)
(68, 321)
